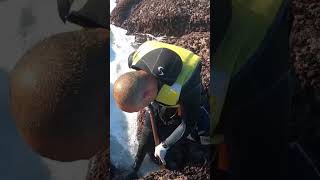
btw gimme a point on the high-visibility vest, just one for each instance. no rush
(169, 94)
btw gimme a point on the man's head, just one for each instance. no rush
(135, 90)
(58, 95)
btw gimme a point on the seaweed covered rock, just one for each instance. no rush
(305, 43)
(120, 13)
(190, 172)
(163, 17)
(99, 166)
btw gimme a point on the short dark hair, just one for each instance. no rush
(57, 92)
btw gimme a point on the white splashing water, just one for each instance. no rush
(122, 125)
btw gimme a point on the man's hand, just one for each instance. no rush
(160, 152)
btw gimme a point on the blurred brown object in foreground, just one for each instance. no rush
(57, 92)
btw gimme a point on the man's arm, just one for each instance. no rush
(190, 108)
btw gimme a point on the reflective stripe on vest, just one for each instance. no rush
(169, 95)
(251, 19)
